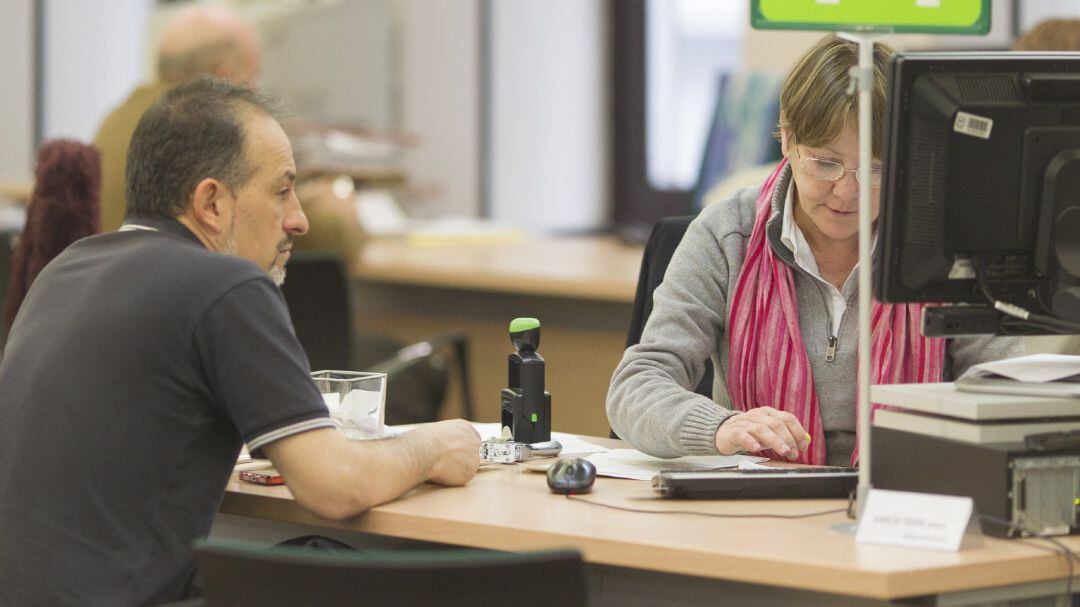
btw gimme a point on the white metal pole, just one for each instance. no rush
(865, 83)
(862, 82)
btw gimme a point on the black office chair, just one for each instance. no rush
(244, 575)
(664, 239)
(317, 293)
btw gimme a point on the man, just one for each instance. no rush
(198, 41)
(144, 357)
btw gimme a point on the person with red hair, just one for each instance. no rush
(64, 207)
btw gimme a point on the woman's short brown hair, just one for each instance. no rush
(815, 103)
(1051, 35)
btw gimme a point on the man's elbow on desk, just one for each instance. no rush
(337, 479)
(319, 469)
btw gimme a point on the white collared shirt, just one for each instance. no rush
(791, 236)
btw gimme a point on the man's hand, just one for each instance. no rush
(762, 428)
(456, 451)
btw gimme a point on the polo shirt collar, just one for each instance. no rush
(168, 225)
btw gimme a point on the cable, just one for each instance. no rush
(1014, 326)
(1059, 547)
(577, 498)
(1027, 318)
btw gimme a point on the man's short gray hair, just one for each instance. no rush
(194, 132)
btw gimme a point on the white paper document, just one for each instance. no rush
(244, 461)
(633, 464)
(356, 415)
(749, 464)
(571, 444)
(486, 431)
(1036, 368)
(1036, 375)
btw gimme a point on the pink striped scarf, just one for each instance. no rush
(768, 364)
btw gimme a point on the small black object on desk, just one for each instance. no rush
(571, 475)
(526, 405)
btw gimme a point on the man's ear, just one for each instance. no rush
(211, 206)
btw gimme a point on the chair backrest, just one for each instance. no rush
(418, 377)
(317, 293)
(664, 239)
(316, 290)
(236, 574)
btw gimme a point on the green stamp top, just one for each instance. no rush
(523, 324)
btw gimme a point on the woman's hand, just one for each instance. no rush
(762, 428)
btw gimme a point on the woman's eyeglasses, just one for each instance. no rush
(827, 170)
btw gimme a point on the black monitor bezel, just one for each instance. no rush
(905, 69)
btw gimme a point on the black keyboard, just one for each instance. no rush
(802, 470)
(773, 483)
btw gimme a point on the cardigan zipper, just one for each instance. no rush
(830, 353)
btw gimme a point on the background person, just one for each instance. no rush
(64, 207)
(198, 41)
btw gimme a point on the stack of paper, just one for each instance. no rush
(633, 464)
(1036, 375)
(246, 462)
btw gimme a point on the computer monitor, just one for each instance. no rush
(980, 200)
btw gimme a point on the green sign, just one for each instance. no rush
(906, 16)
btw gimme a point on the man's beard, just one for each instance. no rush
(277, 274)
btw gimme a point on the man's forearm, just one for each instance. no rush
(336, 478)
(391, 467)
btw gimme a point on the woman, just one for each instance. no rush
(765, 283)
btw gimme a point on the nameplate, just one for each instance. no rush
(914, 520)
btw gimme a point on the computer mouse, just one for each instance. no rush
(571, 475)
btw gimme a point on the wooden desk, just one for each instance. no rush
(17, 190)
(596, 268)
(581, 289)
(684, 559)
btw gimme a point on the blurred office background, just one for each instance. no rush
(558, 115)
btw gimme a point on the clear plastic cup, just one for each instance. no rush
(356, 400)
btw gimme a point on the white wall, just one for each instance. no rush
(441, 99)
(1033, 12)
(548, 119)
(17, 102)
(548, 151)
(334, 63)
(93, 57)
